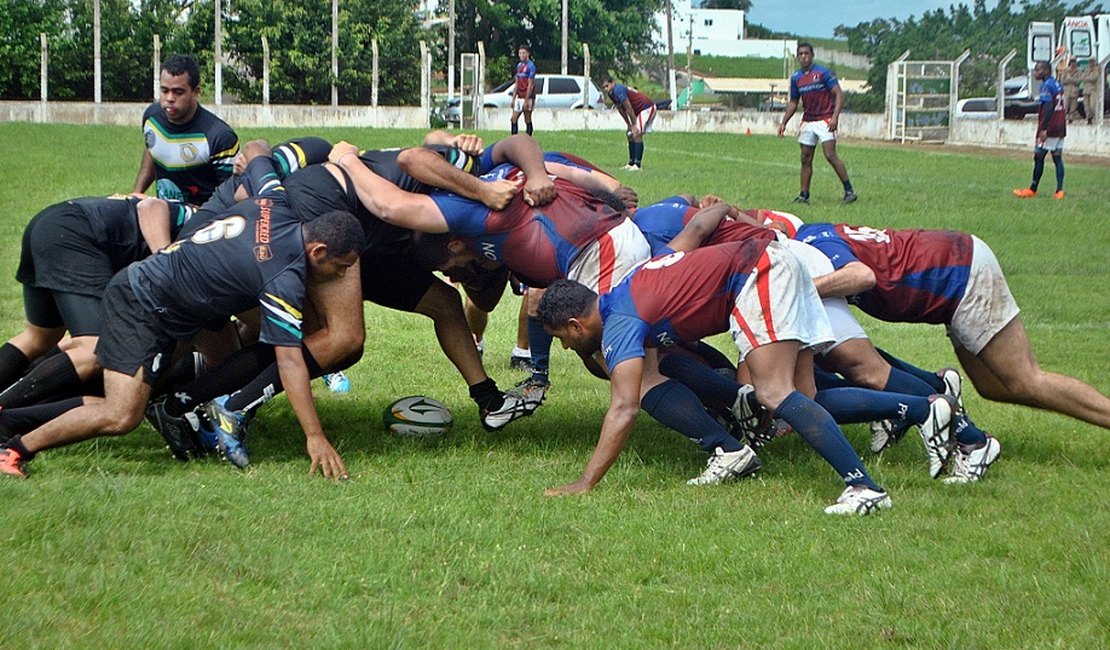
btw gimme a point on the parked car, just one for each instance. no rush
(983, 108)
(552, 91)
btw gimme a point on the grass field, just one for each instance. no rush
(451, 543)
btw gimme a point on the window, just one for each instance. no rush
(563, 86)
(1081, 44)
(708, 22)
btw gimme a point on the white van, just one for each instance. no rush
(552, 91)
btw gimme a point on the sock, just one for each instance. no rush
(267, 385)
(847, 186)
(487, 396)
(804, 194)
(638, 158)
(514, 128)
(25, 419)
(674, 405)
(826, 380)
(714, 357)
(1038, 169)
(229, 376)
(539, 344)
(53, 377)
(904, 382)
(16, 443)
(712, 389)
(852, 405)
(1059, 162)
(528, 127)
(819, 430)
(929, 377)
(12, 364)
(631, 152)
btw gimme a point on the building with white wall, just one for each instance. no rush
(716, 32)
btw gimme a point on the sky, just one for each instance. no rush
(820, 17)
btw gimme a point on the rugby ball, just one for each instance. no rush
(417, 416)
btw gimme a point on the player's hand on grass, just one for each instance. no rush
(341, 149)
(539, 191)
(326, 458)
(497, 194)
(581, 486)
(468, 143)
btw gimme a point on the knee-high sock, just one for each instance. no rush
(818, 428)
(826, 380)
(12, 364)
(631, 152)
(1038, 169)
(18, 421)
(539, 343)
(267, 385)
(852, 405)
(712, 388)
(904, 382)
(674, 405)
(714, 357)
(231, 375)
(54, 378)
(929, 377)
(1058, 160)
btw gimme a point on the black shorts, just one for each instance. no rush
(392, 277)
(131, 337)
(48, 309)
(61, 253)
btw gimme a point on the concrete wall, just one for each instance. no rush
(1082, 138)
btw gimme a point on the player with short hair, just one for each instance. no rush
(524, 90)
(257, 254)
(189, 151)
(822, 99)
(638, 112)
(1052, 128)
(757, 291)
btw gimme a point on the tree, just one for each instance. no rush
(743, 5)
(989, 33)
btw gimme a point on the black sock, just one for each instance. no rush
(514, 128)
(631, 152)
(487, 396)
(16, 443)
(12, 364)
(638, 156)
(528, 128)
(267, 385)
(25, 419)
(804, 194)
(847, 186)
(1038, 169)
(50, 378)
(228, 377)
(674, 405)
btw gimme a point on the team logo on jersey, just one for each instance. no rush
(189, 152)
(148, 137)
(263, 253)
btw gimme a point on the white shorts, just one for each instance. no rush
(779, 303)
(845, 327)
(987, 305)
(645, 118)
(814, 132)
(520, 104)
(606, 262)
(1050, 144)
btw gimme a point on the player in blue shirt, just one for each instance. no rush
(1052, 128)
(524, 90)
(638, 112)
(819, 91)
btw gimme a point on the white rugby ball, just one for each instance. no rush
(418, 416)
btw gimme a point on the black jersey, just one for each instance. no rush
(251, 255)
(191, 159)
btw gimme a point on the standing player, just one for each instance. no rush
(189, 151)
(524, 91)
(257, 254)
(757, 291)
(638, 112)
(1052, 127)
(819, 91)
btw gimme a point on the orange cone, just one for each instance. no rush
(748, 131)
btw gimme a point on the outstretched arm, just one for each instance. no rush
(851, 279)
(624, 406)
(294, 377)
(384, 199)
(524, 152)
(430, 168)
(704, 224)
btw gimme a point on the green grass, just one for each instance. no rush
(759, 68)
(451, 543)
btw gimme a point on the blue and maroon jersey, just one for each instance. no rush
(678, 297)
(525, 71)
(639, 101)
(920, 275)
(485, 163)
(662, 221)
(814, 88)
(538, 244)
(1052, 104)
